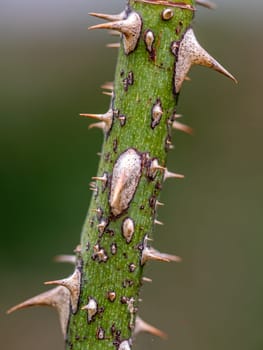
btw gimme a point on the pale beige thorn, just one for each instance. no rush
(146, 279)
(72, 283)
(59, 298)
(65, 258)
(118, 17)
(176, 116)
(91, 308)
(114, 33)
(187, 78)
(108, 85)
(159, 203)
(142, 326)
(169, 175)
(190, 52)
(93, 184)
(183, 127)
(129, 27)
(206, 3)
(149, 254)
(157, 222)
(105, 118)
(113, 45)
(100, 125)
(100, 178)
(107, 93)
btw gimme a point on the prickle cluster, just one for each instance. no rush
(98, 304)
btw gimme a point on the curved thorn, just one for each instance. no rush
(72, 283)
(190, 53)
(59, 298)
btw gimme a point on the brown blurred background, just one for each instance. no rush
(51, 70)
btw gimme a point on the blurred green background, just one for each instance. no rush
(51, 70)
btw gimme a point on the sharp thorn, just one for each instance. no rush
(190, 53)
(71, 259)
(159, 203)
(113, 45)
(72, 283)
(107, 93)
(106, 119)
(129, 27)
(182, 127)
(114, 33)
(100, 125)
(142, 326)
(59, 298)
(146, 279)
(157, 222)
(170, 175)
(108, 86)
(149, 254)
(103, 178)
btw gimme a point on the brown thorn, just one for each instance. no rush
(182, 127)
(142, 326)
(59, 298)
(72, 283)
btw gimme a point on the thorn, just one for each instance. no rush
(107, 93)
(142, 326)
(111, 18)
(72, 283)
(129, 27)
(103, 178)
(113, 45)
(169, 175)
(114, 33)
(59, 298)
(159, 203)
(105, 120)
(146, 279)
(189, 53)
(91, 308)
(206, 3)
(182, 127)
(176, 116)
(150, 253)
(157, 222)
(108, 86)
(100, 125)
(71, 259)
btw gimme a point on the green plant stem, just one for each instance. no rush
(142, 80)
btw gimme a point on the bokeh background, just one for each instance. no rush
(51, 70)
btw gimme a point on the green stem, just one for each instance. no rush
(111, 254)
